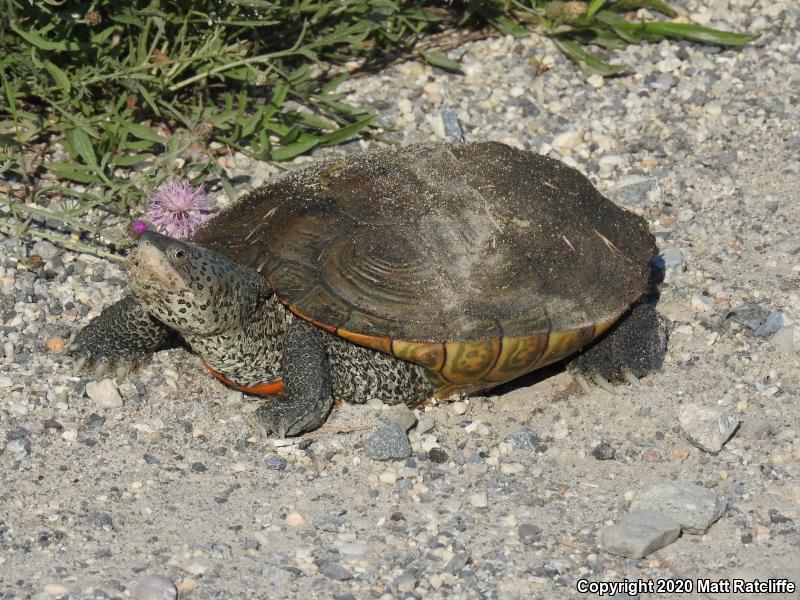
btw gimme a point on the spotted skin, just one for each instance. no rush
(124, 335)
(362, 373)
(307, 381)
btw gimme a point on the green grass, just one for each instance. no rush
(135, 92)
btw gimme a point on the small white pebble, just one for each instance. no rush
(459, 407)
(511, 468)
(596, 81)
(56, 589)
(295, 519)
(387, 477)
(479, 500)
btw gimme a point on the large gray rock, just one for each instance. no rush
(389, 442)
(693, 506)
(640, 533)
(708, 427)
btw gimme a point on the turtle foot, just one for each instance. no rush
(632, 349)
(116, 342)
(282, 418)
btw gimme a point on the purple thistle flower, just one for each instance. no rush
(138, 227)
(177, 209)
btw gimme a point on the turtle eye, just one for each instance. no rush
(178, 255)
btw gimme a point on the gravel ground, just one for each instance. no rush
(138, 487)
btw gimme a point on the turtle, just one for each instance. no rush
(403, 274)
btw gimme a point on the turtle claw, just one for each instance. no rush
(79, 364)
(100, 370)
(581, 381)
(631, 378)
(603, 383)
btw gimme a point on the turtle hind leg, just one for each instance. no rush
(307, 384)
(123, 336)
(632, 349)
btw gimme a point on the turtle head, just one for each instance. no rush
(192, 289)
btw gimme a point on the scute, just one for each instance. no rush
(478, 261)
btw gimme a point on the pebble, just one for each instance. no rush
(596, 81)
(784, 339)
(276, 463)
(438, 455)
(425, 424)
(295, 519)
(45, 249)
(402, 416)
(478, 427)
(639, 533)
(670, 260)
(56, 589)
(524, 439)
(389, 477)
(529, 533)
(104, 393)
(276, 576)
(636, 191)
(604, 451)
(459, 407)
(451, 125)
(353, 548)
(389, 442)
(707, 427)
(694, 507)
(155, 587)
(405, 582)
(334, 570)
(511, 468)
(771, 324)
(479, 500)
(55, 344)
(702, 303)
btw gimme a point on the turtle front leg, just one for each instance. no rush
(634, 348)
(120, 338)
(306, 382)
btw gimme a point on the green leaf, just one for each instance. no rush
(71, 171)
(144, 133)
(127, 19)
(278, 96)
(697, 33)
(129, 160)
(437, 59)
(345, 133)
(656, 5)
(8, 141)
(593, 7)
(35, 39)
(83, 146)
(295, 149)
(589, 63)
(508, 26)
(59, 76)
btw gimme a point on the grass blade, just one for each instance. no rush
(588, 62)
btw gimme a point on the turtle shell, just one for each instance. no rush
(477, 261)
